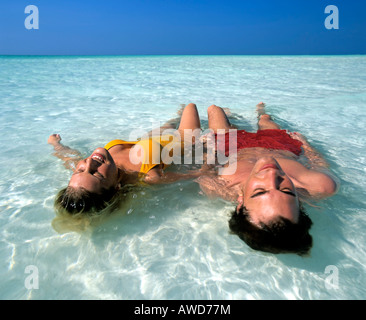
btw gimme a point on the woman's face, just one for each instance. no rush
(95, 173)
(269, 193)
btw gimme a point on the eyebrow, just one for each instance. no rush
(261, 193)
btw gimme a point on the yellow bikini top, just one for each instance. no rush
(151, 150)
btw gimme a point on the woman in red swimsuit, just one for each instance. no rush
(269, 184)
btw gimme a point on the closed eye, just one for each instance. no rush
(99, 175)
(259, 193)
(262, 192)
(95, 174)
(288, 192)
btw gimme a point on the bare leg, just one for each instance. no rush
(170, 124)
(173, 123)
(217, 119)
(265, 121)
(190, 118)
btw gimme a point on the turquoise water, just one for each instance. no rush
(171, 242)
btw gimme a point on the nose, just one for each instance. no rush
(90, 165)
(274, 177)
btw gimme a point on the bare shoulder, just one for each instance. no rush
(153, 176)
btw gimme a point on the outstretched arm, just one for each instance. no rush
(214, 187)
(158, 176)
(70, 156)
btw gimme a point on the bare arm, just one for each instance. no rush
(70, 156)
(318, 180)
(315, 158)
(158, 176)
(318, 184)
(215, 187)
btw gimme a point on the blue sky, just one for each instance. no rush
(119, 27)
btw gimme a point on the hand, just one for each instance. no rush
(54, 139)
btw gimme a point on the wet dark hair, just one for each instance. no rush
(80, 201)
(279, 236)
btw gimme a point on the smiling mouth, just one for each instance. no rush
(98, 157)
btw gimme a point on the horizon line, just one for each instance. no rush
(164, 54)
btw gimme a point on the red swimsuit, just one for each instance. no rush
(269, 139)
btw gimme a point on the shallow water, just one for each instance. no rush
(171, 242)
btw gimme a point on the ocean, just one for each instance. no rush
(171, 241)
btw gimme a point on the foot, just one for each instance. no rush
(54, 139)
(265, 116)
(261, 109)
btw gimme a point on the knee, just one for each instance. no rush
(191, 105)
(265, 117)
(189, 108)
(212, 109)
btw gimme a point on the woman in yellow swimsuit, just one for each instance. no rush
(97, 178)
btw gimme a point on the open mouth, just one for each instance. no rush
(98, 157)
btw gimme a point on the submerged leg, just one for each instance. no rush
(188, 119)
(261, 108)
(265, 121)
(173, 123)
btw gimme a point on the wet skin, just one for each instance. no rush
(95, 173)
(269, 193)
